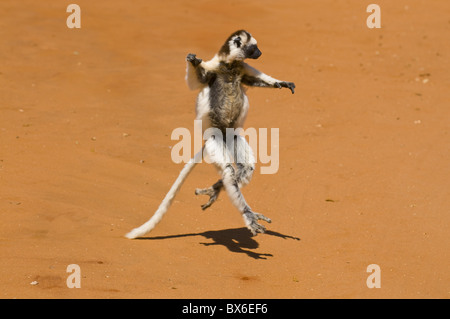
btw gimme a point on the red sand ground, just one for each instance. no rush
(86, 117)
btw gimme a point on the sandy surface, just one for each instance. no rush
(86, 117)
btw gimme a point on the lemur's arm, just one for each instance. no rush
(253, 77)
(196, 75)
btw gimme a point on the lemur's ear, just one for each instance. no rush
(237, 41)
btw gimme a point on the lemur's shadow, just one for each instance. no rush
(236, 240)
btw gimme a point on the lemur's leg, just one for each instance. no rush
(253, 77)
(244, 159)
(219, 155)
(245, 164)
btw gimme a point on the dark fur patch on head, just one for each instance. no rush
(238, 42)
(225, 49)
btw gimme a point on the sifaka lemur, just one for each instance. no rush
(222, 104)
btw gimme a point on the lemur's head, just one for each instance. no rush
(239, 46)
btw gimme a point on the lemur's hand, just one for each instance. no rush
(193, 59)
(289, 85)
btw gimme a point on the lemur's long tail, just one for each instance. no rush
(167, 201)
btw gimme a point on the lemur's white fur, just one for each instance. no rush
(222, 103)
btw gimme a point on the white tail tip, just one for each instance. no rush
(133, 234)
(147, 227)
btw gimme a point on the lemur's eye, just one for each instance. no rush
(237, 41)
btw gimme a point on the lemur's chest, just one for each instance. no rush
(226, 96)
(225, 88)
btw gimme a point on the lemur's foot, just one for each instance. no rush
(289, 85)
(251, 221)
(193, 59)
(211, 192)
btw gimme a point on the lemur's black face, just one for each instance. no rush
(252, 51)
